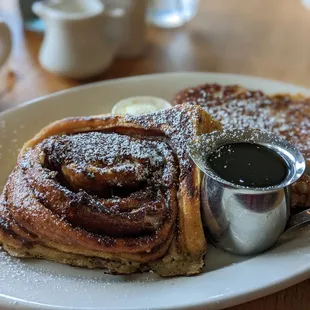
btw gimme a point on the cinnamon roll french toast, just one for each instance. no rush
(283, 114)
(114, 192)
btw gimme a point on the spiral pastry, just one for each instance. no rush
(119, 193)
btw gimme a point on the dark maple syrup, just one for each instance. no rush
(248, 164)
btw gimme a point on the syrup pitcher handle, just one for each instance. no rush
(5, 42)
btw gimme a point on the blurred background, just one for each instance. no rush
(267, 38)
(69, 43)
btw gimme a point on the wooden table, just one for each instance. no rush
(268, 38)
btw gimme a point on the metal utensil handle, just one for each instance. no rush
(298, 219)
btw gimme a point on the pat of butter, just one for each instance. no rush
(140, 105)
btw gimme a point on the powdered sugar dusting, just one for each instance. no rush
(36, 277)
(179, 124)
(236, 107)
(115, 189)
(111, 153)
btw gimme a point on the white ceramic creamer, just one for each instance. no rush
(5, 42)
(76, 43)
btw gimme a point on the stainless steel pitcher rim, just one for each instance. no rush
(205, 144)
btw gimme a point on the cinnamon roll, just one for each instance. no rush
(113, 192)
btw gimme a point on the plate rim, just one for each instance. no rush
(281, 284)
(148, 76)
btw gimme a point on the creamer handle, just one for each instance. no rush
(5, 42)
(38, 8)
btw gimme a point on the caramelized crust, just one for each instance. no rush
(119, 193)
(234, 106)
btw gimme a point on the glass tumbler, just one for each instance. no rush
(171, 13)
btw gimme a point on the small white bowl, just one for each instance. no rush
(140, 105)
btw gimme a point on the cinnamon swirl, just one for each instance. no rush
(114, 192)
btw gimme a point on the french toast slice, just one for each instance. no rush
(283, 114)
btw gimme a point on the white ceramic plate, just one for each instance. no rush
(227, 280)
